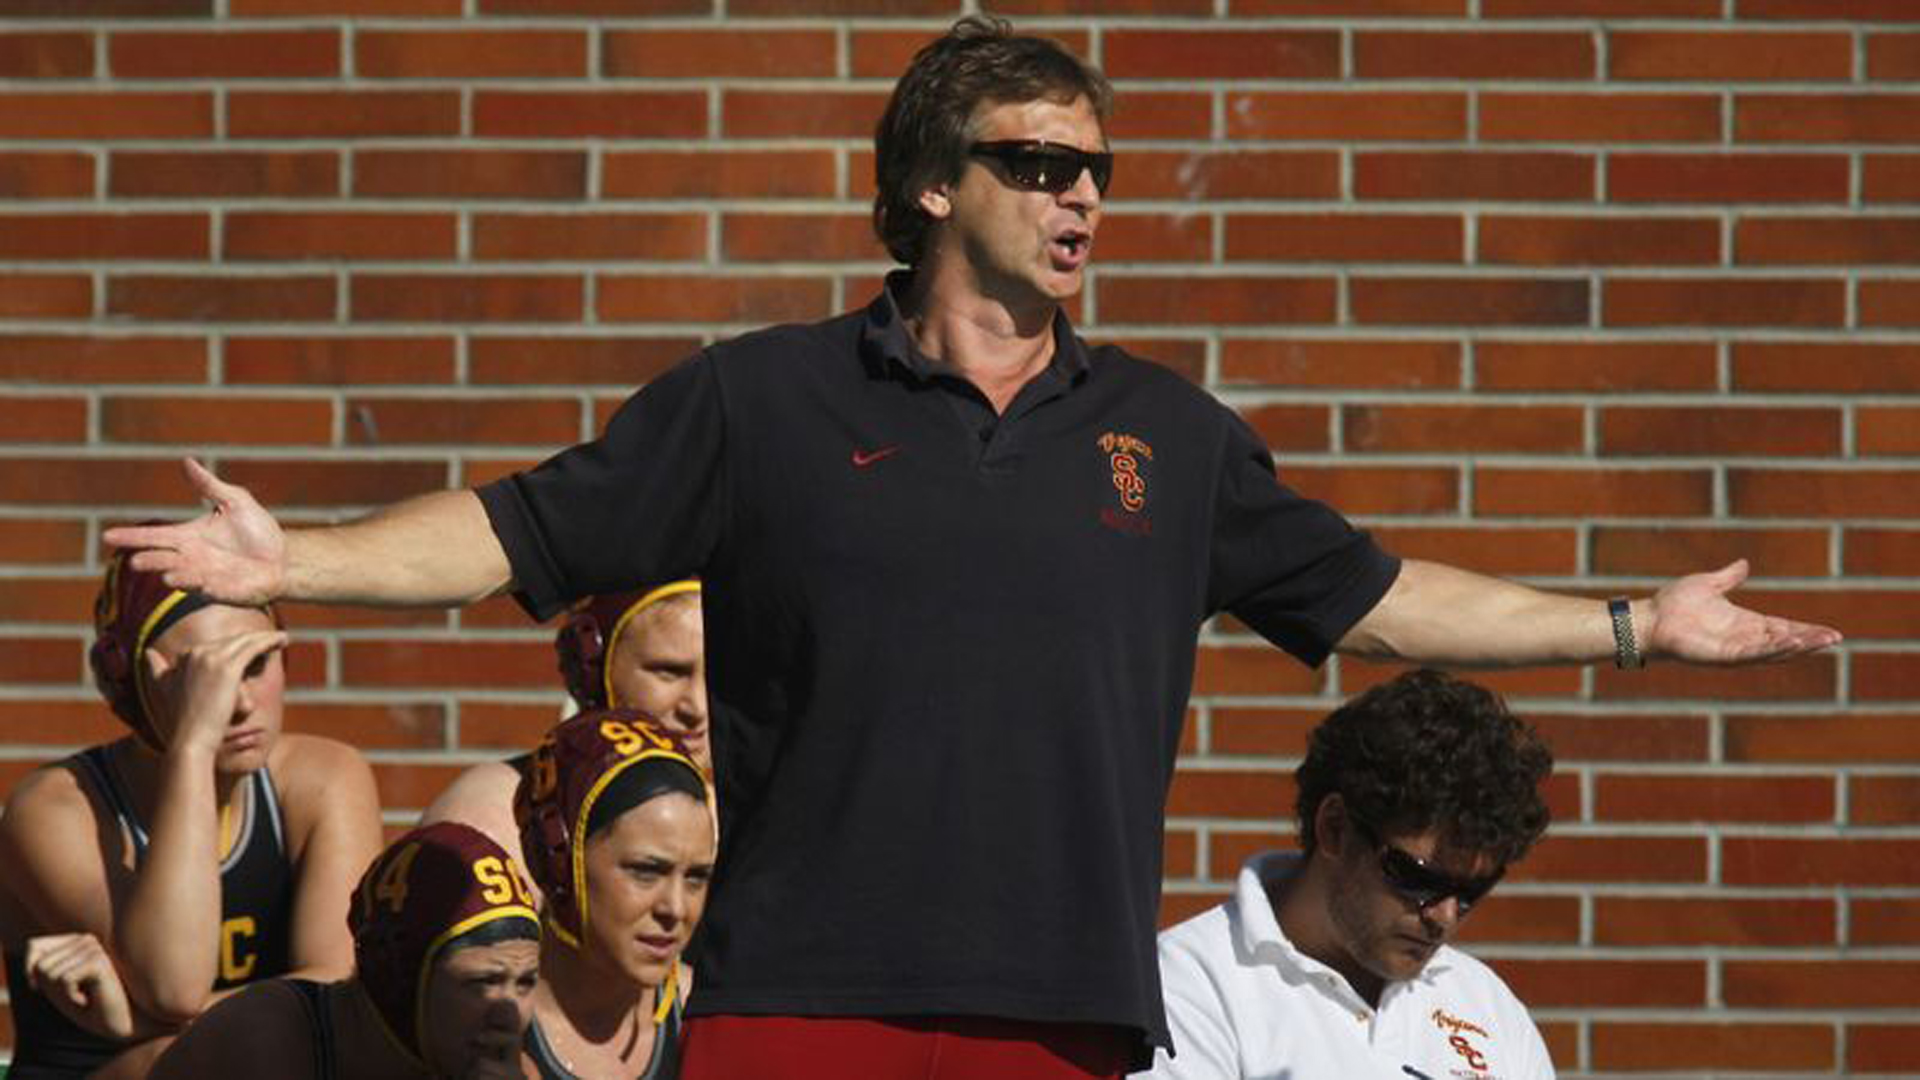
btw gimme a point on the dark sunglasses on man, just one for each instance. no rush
(1421, 885)
(1039, 165)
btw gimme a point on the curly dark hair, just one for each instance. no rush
(922, 138)
(1426, 750)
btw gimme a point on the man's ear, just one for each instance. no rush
(1332, 827)
(936, 202)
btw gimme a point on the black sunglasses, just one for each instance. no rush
(1052, 167)
(1423, 886)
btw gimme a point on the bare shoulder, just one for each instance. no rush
(482, 797)
(48, 795)
(56, 843)
(323, 780)
(261, 1031)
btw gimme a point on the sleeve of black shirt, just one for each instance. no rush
(639, 505)
(1288, 566)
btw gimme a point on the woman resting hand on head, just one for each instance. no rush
(616, 820)
(446, 953)
(144, 877)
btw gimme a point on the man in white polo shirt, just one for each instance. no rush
(1332, 963)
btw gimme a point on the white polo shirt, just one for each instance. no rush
(1242, 1002)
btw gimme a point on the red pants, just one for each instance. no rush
(902, 1048)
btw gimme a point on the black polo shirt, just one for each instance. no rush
(951, 650)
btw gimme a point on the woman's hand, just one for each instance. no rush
(74, 972)
(204, 687)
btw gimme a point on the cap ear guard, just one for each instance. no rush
(581, 647)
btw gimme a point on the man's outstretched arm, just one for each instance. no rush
(1439, 614)
(431, 550)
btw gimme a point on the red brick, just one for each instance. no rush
(1562, 858)
(228, 298)
(1344, 8)
(1835, 10)
(1291, 429)
(1187, 356)
(91, 360)
(1179, 853)
(1389, 364)
(1851, 367)
(1262, 669)
(1378, 489)
(716, 174)
(41, 660)
(1588, 983)
(1821, 493)
(1806, 679)
(308, 620)
(227, 54)
(1601, 118)
(624, 9)
(1666, 551)
(1823, 738)
(342, 114)
(464, 298)
(1155, 238)
(756, 237)
(470, 54)
(1851, 983)
(261, 421)
(1727, 178)
(616, 361)
(43, 237)
(1543, 240)
(461, 421)
(106, 115)
(492, 725)
(1595, 367)
(1163, 114)
(385, 9)
(338, 361)
(1845, 241)
(1690, 798)
(1469, 301)
(1886, 676)
(1200, 175)
(1884, 922)
(1507, 552)
(1890, 178)
(45, 55)
(1883, 800)
(1890, 303)
(1728, 56)
(45, 176)
(1462, 429)
(817, 114)
(1263, 732)
(1245, 53)
(1509, 917)
(1693, 431)
(1725, 921)
(1472, 54)
(328, 237)
(789, 8)
(1623, 737)
(1887, 432)
(1229, 850)
(92, 481)
(1893, 552)
(304, 174)
(42, 540)
(1346, 116)
(280, 483)
(1346, 237)
(1229, 793)
(45, 296)
(1892, 57)
(397, 726)
(471, 174)
(1234, 300)
(1724, 302)
(885, 53)
(576, 114)
(1827, 118)
(413, 663)
(1618, 9)
(758, 53)
(58, 723)
(1810, 861)
(1632, 1046)
(1883, 1048)
(1493, 176)
(1593, 493)
(1358, 676)
(44, 419)
(412, 786)
(708, 298)
(1865, 612)
(535, 237)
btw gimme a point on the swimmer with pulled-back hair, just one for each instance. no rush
(143, 878)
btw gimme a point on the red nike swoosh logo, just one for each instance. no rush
(864, 458)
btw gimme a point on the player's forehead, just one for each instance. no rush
(1071, 122)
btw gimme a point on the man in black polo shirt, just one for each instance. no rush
(954, 563)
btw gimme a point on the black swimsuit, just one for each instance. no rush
(256, 916)
(662, 1064)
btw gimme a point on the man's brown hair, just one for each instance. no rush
(923, 136)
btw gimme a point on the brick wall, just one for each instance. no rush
(1588, 292)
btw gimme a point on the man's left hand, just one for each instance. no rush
(1691, 619)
